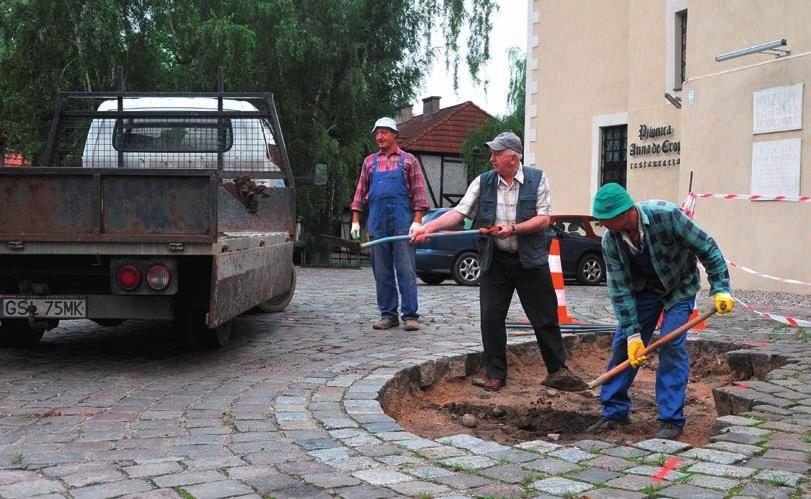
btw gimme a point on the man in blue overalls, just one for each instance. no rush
(650, 253)
(391, 186)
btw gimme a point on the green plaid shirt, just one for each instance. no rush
(674, 241)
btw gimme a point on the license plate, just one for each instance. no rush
(45, 307)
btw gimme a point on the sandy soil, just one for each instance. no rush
(525, 410)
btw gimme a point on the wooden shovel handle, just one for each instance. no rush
(653, 347)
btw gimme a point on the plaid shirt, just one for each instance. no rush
(413, 177)
(674, 241)
(507, 198)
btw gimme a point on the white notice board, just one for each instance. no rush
(776, 167)
(777, 109)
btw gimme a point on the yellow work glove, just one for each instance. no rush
(724, 303)
(354, 232)
(635, 347)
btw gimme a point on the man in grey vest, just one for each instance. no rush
(515, 198)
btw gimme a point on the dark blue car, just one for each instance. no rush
(458, 257)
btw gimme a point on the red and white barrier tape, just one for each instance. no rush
(791, 321)
(753, 197)
(767, 276)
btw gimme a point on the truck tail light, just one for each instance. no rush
(158, 277)
(128, 277)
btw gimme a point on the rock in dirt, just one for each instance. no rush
(551, 392)
(554, 437)
(469, 421)
(498, 412)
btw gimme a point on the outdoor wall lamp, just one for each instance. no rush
(770, 48)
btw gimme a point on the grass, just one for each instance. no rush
(778, 481)
(183, 493)
(17, 459)
(426, 495)
(807, 438)
(229, 421)
(651, 490)
(528, 478)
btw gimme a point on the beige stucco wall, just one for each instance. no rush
(608, 61)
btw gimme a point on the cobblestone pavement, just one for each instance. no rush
(289, 409)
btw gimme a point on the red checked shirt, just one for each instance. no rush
(413, 177)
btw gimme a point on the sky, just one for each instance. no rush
(509, 30)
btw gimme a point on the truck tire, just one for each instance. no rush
(17, 333)
(191, 329)
(279, 303)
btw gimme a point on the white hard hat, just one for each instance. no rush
(386, 123)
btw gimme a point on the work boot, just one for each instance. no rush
(564, 379)
(669, 431)
(604, 424)
(386, 322)
(411, 324)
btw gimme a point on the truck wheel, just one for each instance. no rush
(279, 303)
(17, 333)
(217, 337)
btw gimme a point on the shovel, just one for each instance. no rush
(652, 347)
(357, 245)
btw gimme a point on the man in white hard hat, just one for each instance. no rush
(392, 190)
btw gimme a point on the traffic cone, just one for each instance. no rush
(556, 269)
(693, 315)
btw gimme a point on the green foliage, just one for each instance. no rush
(474, 155)
(334, 66)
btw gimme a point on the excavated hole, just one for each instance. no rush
(525, 410)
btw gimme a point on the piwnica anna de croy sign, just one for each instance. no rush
(668, 147)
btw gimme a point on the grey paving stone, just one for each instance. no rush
(469, 462)
(441, 452)
(419, 488)
(650, 471)
(779, 477)
(365, 492)
(606, 493)
(759, 490)
(330, 454)
(510, 473)
(30, 488)
(540, 446)
(594, 446)
(561, 486)
(625, 452)
(429, 472)
(594, 475)
(610, 463)
(331, 480)
(779, 465)
(113, 489)
(713, 482)
(462, 481)
(188, 478)
(499, 490)
(787, 455)
(93, 477)
(214, 490)
(714, 456)
(513, 456)
(156, 469)
(551, 466)
(683, 491)
(380, 476)
(737, 420)
(724, 470)
(738, 438)
(571, 454)
(661, 445)
(746, 430)
(633, 482)
(746, 450)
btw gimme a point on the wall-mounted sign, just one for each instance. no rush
(777, 109)
(656, 153)
(776, 167)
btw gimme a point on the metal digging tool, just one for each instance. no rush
(652, 347)
(357, 245)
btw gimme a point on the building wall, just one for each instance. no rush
(454, 180)
(602, 63)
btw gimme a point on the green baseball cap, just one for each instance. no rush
(611, 200)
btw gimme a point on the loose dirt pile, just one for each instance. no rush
(525, 410)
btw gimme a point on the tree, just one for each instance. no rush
(473, 155)
(333, 65)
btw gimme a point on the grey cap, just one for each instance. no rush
(506, 140)
(386, 122)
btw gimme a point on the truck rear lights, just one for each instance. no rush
(128, 277)
(158, 277)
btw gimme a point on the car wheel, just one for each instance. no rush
(279, 303)
(466, 269)
(590, 270)
(432, 279)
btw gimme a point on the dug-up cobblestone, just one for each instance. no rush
(290, 409)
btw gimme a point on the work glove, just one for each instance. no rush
(354, 233)
(724, 303)
(635, 347)
(414, 226)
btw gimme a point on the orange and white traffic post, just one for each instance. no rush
(556, 269)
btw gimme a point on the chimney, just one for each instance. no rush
(404, 114)
(430, 106)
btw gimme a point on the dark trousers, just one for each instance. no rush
(540, 303)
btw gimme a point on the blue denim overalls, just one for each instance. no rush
(390, 214)
(674, 366)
